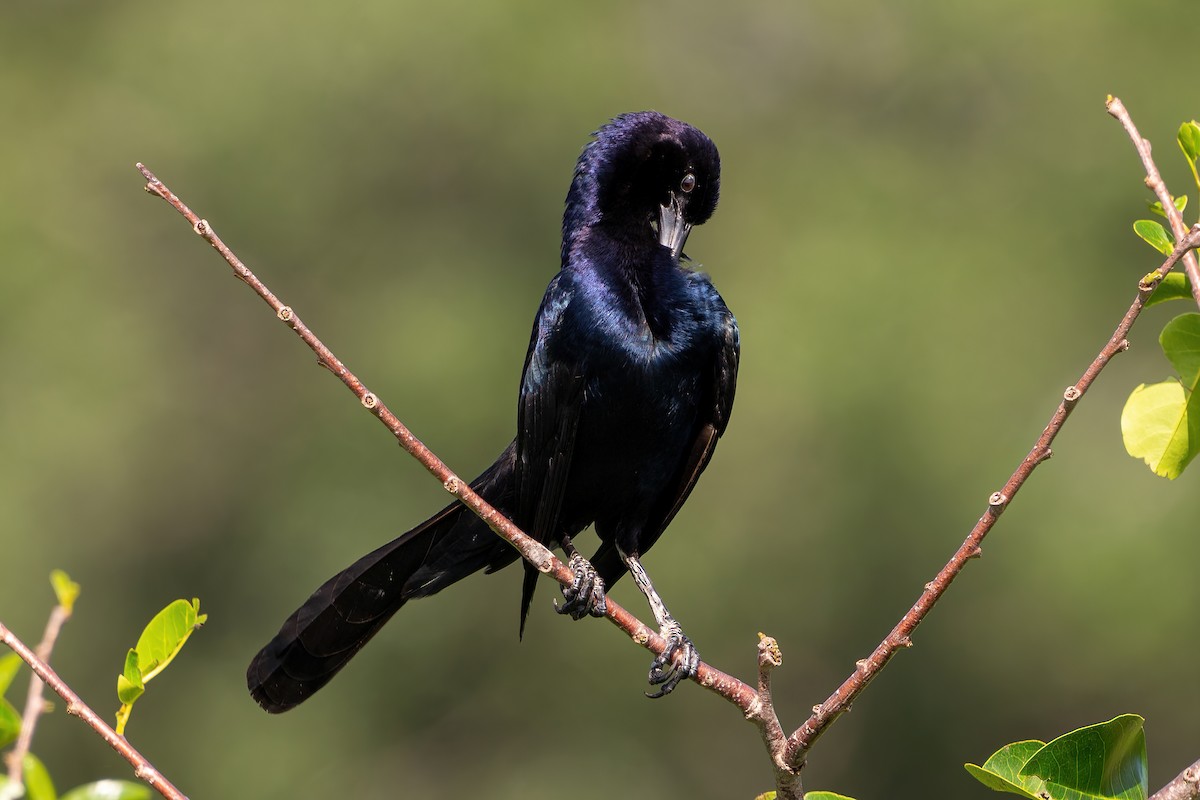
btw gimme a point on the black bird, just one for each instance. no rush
(627, 385)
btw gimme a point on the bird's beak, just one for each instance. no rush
(672, 230)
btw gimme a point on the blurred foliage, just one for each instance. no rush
(37, 785)
(35, 782)
(924, 234)
(10, 718)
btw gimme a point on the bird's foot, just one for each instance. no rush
(665, 673)
(586, 595)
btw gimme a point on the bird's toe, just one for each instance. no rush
(585, 596)
(667, 671)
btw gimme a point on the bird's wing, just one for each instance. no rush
(723, 386)
(716, 406)
(547, 420)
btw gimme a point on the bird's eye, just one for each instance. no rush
(688, 183)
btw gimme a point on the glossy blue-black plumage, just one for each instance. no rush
(628, 383)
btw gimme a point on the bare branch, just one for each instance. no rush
(142, 768)
(727, 686)
(1154, 180)
(1185, 786)
(34, 704)
(787, 755)
(787, 777)
(865, 671)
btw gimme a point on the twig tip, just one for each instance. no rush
(769, 654)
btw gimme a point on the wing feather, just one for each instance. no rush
(547, 422)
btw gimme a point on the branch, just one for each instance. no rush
(865, 671)
(1154, 180)
(1186, 786)
(788, 755)
(727, 686)
(142, 768)
(787, 779)
(34, 705)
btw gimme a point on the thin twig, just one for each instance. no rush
(727, 686)
(787, 778)
(865, 671)
(1185, 786)
(1154, 180)
(34, 704)
(142, 768)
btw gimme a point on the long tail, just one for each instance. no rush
(340, 617)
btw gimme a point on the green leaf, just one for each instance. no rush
(1189, 140)
(1107, 760)
(1160, 423)
(65, 589)
(109, 790)
(1150, 423)
(1154, 235)
(1189, 143)
(38, 785)
(166, 634)
(35, 779)
(10, 665)
(1180, 205)
(161, 640)
(1173, 287)
(766, 796)
(130, 685)
(823, 796)
(1002, 771)
(10, 723)
(10, 718)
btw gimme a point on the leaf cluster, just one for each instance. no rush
(1106, 761)
(160, 642)
(1160, 423)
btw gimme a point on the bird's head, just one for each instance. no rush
(646, 171)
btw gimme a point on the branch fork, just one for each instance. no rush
(788, 752)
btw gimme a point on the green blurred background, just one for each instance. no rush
(924, 232)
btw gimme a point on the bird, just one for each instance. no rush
(628, 384)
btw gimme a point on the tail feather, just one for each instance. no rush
(340, 617)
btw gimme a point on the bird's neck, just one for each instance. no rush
(583, 218)
(637, 269)
(582, 209)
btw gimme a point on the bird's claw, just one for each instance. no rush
(665, 673)
(585, 596)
